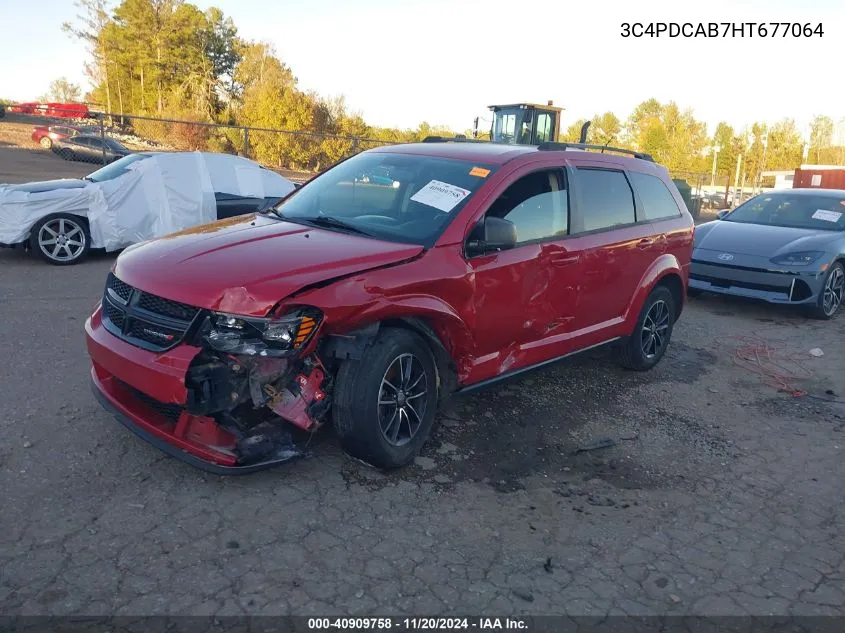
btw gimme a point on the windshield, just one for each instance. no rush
(509, 126)
(111, 143)
(397, 197)
(115, 169)
(793, 211)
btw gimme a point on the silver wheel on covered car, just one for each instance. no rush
(60, 239)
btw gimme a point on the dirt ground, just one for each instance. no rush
(719, 496)
(22, 160)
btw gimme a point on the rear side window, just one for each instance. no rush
(606, 199)
(658, 202)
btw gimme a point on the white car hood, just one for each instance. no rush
(156, 196)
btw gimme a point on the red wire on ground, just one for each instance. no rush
(778, 363)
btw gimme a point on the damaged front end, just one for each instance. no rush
(253, 381)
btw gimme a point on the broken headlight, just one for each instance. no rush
(282, 336)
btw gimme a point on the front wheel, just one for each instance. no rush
(830, 298)
(385, 403)
(66, 154)
(650, 338)
(46, 142)
(60, 239)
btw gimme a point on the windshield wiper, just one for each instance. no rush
(337, 223)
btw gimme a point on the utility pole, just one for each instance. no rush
(736, 178)
(716, 150)
(763, 162)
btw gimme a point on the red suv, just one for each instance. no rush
(396, 278)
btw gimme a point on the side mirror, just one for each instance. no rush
(491, 235)
(723, 213)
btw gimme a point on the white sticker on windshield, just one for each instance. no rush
(827, 216)
(440, 195)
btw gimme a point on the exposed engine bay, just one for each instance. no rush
(253, 398)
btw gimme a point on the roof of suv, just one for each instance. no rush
(491, 153)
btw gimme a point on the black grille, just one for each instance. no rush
(169, 308)
(121, 289)
(169, 411)
(727, 283)
(115, 315)
(144, 319)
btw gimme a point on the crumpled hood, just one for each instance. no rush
(247, 264)
(738, 238)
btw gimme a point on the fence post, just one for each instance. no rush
(103, 136)
(246, 142)
(354, 146)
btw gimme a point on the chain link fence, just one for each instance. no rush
(100, 138)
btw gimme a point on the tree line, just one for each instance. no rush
(676, 139)
(169, 59)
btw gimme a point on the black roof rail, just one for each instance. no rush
(551, 147)
(460, 138)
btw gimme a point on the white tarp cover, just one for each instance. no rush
(160, 194)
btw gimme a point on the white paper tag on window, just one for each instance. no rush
(827, 216)
(440, 195)
(816, 180)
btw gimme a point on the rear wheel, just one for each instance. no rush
(384, 404)
(46, 142)
(830, 298)
(652, 333)
(60, 239)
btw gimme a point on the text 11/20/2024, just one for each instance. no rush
(722, 29)
(400, 625)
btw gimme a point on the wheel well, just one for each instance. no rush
(676, 287)
(447, 374)
(82, 219)
(351, 346)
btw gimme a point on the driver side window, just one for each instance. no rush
(538, 206)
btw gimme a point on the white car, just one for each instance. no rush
(139, 197)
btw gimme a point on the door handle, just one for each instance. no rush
(562, 260)
(645, 242)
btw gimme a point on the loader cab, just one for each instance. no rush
(525, 123)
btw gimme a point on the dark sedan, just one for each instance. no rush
(784, 246)
(90, 149)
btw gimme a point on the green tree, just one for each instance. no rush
(785, 146)
(63, 91)
(573, 133)
(90, 22)
(821, 138)
(605, 129)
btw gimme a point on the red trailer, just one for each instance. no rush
(60, 110)
(819, 176)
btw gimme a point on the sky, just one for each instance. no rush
(400, 62)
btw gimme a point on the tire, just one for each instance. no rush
(46, 142)
(66, 153)
(831, 296)
(643, 350)
(386, 435)
(46, 239)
